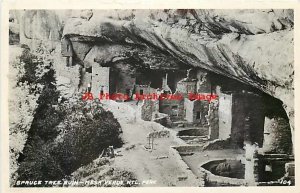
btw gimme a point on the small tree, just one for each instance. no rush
(85, 137)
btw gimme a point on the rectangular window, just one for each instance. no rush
(198, 115)
(89, 70)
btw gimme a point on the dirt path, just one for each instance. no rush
(154, 167)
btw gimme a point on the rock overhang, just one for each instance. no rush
(240, 51)
(252, 46)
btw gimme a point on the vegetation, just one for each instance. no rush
(88, 130)
(22, 102)
(62, 137)
(98, 170)
(36, 162)
(30, 65)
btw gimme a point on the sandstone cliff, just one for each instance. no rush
(252, 46)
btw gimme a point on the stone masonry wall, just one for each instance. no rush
(213, 119)
(225, 116)
(277, 136)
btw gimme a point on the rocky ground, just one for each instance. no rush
(135, 164)
(150, 167)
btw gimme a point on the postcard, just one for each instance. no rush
(98, 99)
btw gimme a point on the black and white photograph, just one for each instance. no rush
(151, 98)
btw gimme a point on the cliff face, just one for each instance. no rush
(252, 46)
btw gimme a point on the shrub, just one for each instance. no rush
(38, 163)
(30, 67)
(46, 116)
(85, 139)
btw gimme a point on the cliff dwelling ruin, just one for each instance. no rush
(239, 116)
(231, 120)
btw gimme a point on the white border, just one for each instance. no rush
(135, 4)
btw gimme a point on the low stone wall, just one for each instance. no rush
(201, 138)
(183, 124)
(174, 154)
(218, 144)
(200, 132)
(163, 119)
(221, 180)
(188, 148)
